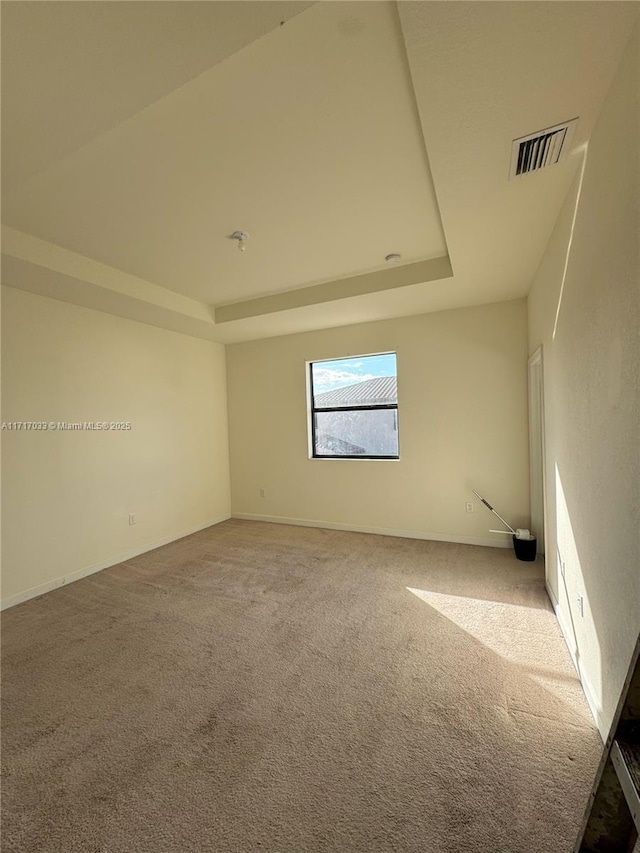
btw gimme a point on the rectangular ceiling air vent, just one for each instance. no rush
(541, 149)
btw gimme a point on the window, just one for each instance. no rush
(354, 408)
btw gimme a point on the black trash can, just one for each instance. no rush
(525, 548)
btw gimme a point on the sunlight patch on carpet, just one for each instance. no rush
(524, 637)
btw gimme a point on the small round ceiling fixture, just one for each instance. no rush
(393, 259)
(241, 237)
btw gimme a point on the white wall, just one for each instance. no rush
(591, 375)
(67, 495)
(462, 424)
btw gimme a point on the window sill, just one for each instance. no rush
(354, 458)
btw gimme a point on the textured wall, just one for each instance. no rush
(67, 495)
(462, 412)
(584, 310)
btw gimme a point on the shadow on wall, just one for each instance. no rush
(585, 547)
(573, 598)
(584, 152)
(585, 305)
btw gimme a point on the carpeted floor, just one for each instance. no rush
(259, 687)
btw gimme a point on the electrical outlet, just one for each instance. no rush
(263, 493)
(132, 518)
(581, 604)
(469, 506)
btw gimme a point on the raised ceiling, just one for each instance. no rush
(141, 134)
(73, 70)
(308, 139)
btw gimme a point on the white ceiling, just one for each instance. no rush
(73, 70)
(308, 139)
(353, 130)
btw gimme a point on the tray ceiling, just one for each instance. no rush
(138, 136)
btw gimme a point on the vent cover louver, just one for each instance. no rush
(541, 149)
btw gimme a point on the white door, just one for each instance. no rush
(536, 446)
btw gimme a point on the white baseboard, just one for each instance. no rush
(567, 633)
(19, 597)
(594, 705)
(587, 687)
(380, 531)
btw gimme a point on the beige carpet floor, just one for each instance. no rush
(259, 687)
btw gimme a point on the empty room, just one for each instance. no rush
(320, 410)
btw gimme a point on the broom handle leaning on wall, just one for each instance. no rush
(489, 507)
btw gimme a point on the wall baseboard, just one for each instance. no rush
(56, 583)
(566, 633)
(380, 531)
(587, 687)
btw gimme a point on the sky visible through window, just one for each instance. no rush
(328, 375)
